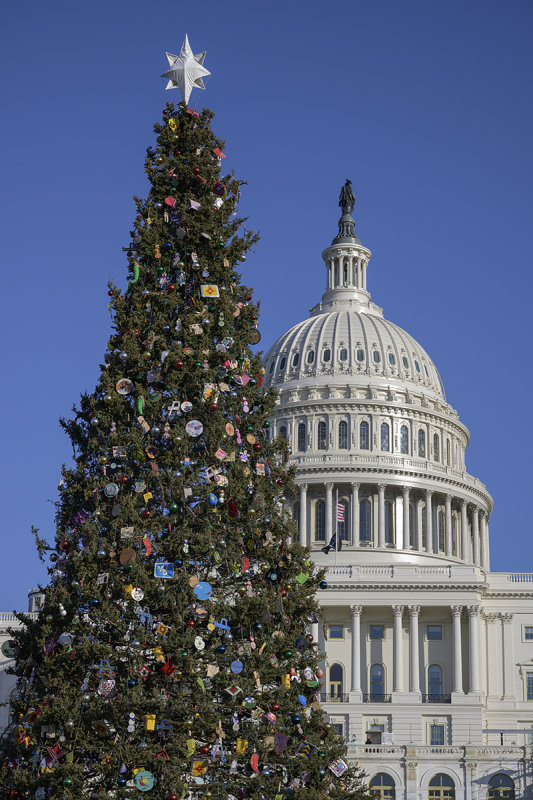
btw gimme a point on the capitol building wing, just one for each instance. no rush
(428, 669)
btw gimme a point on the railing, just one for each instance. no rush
(329, 697)
(8, 616)
(376, 698)
(440, 752)
(436, 698)
(520, 577)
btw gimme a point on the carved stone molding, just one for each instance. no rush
(507, 617)
(356, 610)
(398, 610)
(473, 611)
(414, 610)
(456, 611)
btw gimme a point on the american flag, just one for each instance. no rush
(340, 512)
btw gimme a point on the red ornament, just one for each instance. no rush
(14, 793)
(284, 593)
(196, 170)
(253, 316)
(111, 292)
(190, 623)
(257, 447)
(172, 796)
(320, 673)
(178, 364)
(279, 481)
(124, 479)
(145, 514)
(309, 637)
(204, 750)
(248, 297)
(65, 545)
(213, 407)
(171, 288)
(275, 706)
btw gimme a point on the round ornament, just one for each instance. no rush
(227, 341)
(250, 438)
(107, 688)
(144, 781)
(124, 386)
(65, 639)
(10, 649)
(237, 666)
(230, 430)
(199, 643)
(127, 557)
(152, 451)
(254, 337)
(219, 189)
(194, 428)
(111, 490)
(186, 406)
(203, 590)
(137, 594)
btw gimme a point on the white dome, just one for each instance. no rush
(361, 345)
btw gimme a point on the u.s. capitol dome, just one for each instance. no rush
(364, 410)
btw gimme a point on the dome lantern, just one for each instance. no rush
(346, 262)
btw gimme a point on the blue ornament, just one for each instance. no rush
(323, 584)
(212, 499)
(203, 590)
(302, 700)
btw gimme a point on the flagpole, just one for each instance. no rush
(336, 523)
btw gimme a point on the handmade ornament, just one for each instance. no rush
(144, 781)
(338, 767)
(163, 569)
(194, 428)
(203, 591)
(124, 386)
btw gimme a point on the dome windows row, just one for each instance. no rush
(372, 435)
(360, 356)
(441, 786)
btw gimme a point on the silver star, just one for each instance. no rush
(186, 71)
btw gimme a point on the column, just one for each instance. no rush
(484, 540)
(429, 522)
(465, 538)
(448, 524)
(494, 640)
(329, 512)
(381, 515)
(405, 509)
(397, 674)
(305, 537)
(355, 514)
(487, 542)
(473, 614)
(414, 665)
(356, 648)
(508, 657)
(475, 533)
(419, 524)
(457, 654)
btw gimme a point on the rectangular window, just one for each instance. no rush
(434, 632)
(336, 631)
(528, 633)
(378, 632)
(529, 685)
(436, 734)
(338, 727)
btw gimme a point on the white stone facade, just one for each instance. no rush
(429, 656)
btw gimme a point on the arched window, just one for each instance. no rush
(440, 523)
(404, 439)
(436, 448)
(435, 681)
(389, 522)
(382, 786)
(405, 362)
(377, 680)
(501, 786)
(376, 355)
(392, 359)
(283, 432)
(302, 437)
(335, 681)
(342, 527)
(296, 359)
(320, 521)
(296, 518)
(310, 356)
(343, 435)
(282, 363)
(343, 355)
(322, 436)
(447, 452)
(421, 444)
(326, 355)
(385, 438)
(364, 521)
(364, 435)
(360, 355)
(441, 787)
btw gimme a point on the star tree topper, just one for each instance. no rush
(186, 71)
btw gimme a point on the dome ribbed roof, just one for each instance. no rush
(362, 347)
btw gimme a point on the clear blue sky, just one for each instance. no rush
(426, 106)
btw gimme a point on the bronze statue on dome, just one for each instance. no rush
(347, 198)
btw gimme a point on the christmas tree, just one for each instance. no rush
(171, 655)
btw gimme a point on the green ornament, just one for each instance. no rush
(266, 424)
(173, 507)
(198, 364)
(67, 781)
(184, 652)
(287, 653)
